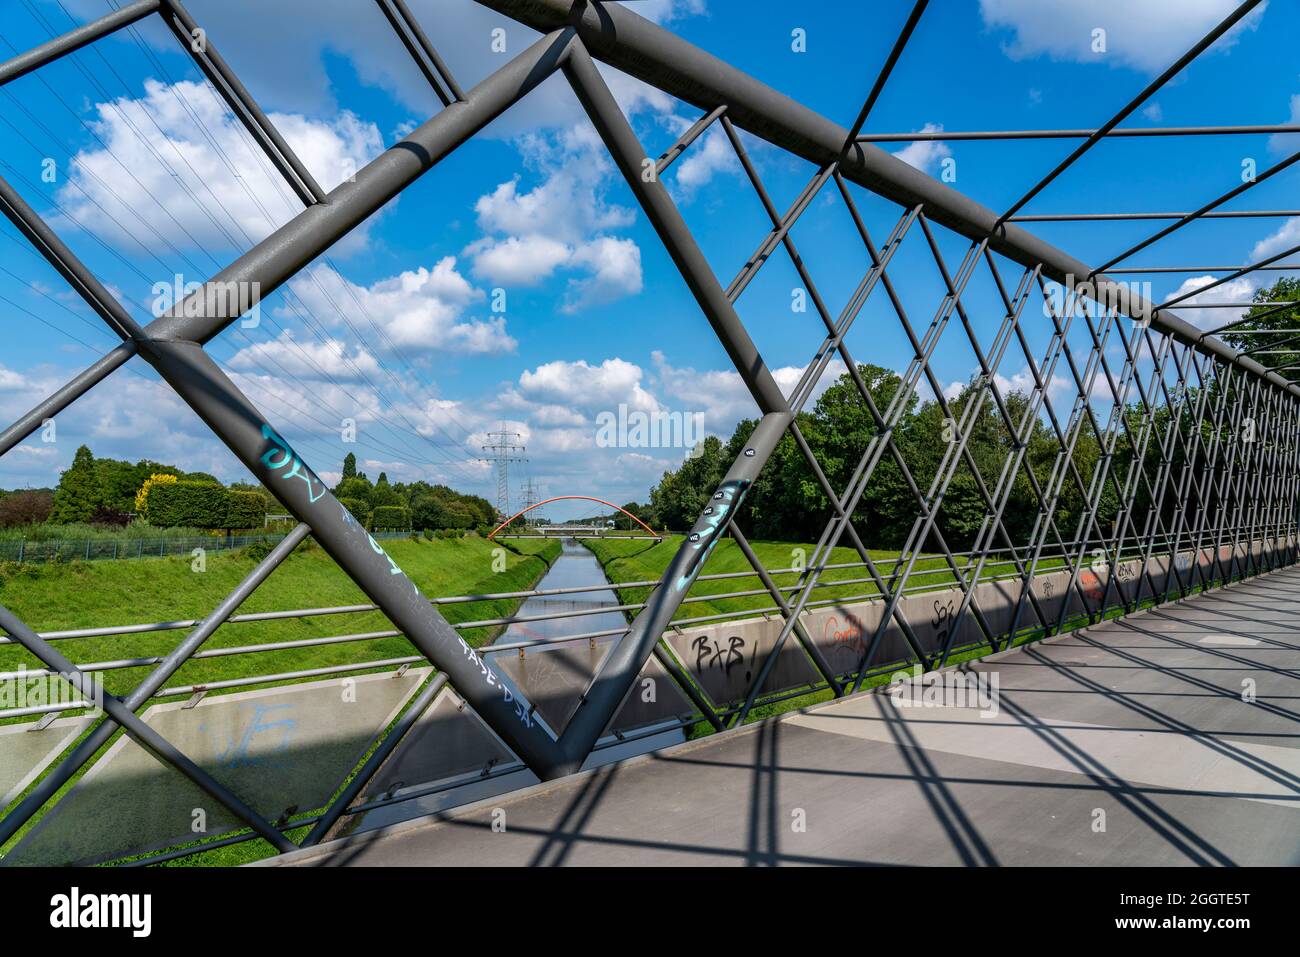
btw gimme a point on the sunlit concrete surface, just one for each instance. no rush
(1167, 738)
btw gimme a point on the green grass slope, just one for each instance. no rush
(105, 593)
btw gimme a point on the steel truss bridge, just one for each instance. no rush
(1203, 434)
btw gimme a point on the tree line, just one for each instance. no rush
(788, 503)
(416, 505)
(107, 492)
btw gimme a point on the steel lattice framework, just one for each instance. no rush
(1180, 400)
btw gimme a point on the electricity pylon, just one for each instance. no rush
(502, 446)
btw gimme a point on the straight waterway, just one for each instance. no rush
(555, 674)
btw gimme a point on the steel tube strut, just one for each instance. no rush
(68, 393)
(629, 156)
(142, 733)
(628, 42)
(90, 745)
(241, 103)
(955, 135)
(625, 660)
(298, 242)
(75, 39)
(198, 380)
(172, 345)
(413, 713)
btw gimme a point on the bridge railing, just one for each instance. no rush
(551, 670)
(1142, 460)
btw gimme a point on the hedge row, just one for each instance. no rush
(390, 516)
(202, 505)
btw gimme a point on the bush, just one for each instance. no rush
(244, 510)
(258, 550)
(435, 512)
(187, 503)
(147, 486)
(25, 508)
(105, 517)
(390, 516)
(202, 505)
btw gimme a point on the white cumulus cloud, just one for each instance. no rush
(418, 310)
(925, 155)
(158, 177)
(562, 224)
(1147, 35)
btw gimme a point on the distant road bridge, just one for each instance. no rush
(570, 530)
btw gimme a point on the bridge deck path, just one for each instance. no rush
(1142, 719)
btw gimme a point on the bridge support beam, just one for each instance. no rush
(632, 44)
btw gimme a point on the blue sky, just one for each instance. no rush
(395, 328)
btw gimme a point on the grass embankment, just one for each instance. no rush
(629, 561)
(99, 594)
(626, 561)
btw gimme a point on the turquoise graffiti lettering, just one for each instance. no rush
(287, 457)
(392, 565)
(283, 457)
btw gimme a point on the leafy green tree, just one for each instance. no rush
(436, 512)
(384, 495)
(357, 488)
(349, 466)
(78, 494)
(788, 501)
(1271, 328)
(681, 495)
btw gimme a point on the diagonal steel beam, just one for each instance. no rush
(142, 733)
(619, 37)
(90, 745)
(612, 684)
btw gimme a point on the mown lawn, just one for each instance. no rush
(105, 593)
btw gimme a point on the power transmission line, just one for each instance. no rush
(502, 446)
(298, 307)
(529, 493)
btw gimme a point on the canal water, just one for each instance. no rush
(554, 675)
(575, 568)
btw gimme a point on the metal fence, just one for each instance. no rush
(100, 549)
(1194, 481)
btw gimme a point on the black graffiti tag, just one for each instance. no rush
(942, 620)
(711, 654)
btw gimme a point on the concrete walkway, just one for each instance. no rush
(1123, 744)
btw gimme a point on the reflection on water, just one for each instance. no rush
(553, 676)
(556, 674)
(574, 568)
